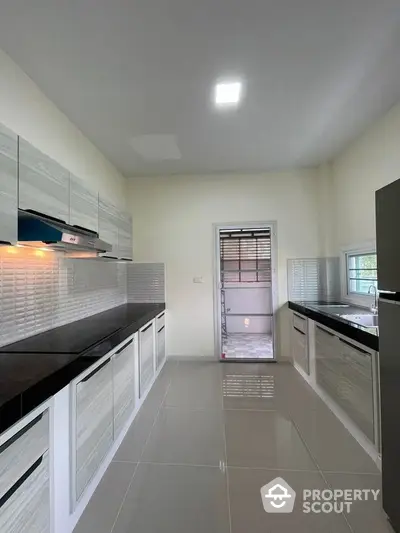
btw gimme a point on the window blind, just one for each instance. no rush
(245, 256)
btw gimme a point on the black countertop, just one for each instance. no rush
(34, 369)
(364, 335)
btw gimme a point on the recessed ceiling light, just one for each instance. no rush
(228, 93)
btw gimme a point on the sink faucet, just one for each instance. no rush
(374, 306)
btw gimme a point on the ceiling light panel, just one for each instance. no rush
(228, 93)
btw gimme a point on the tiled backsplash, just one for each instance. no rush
(314, 279)
(42, 290)
(146, 282)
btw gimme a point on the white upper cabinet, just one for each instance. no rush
(108, 226)
(84, 205)
(8, 186)
(43, 183)
(125, 245)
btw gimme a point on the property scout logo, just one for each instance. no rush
(279, 497)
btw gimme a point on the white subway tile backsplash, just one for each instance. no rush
(40, 291)
(146, 282)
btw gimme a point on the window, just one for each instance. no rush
(361, 272)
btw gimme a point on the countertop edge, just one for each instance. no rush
(15, 408)
(340, 326)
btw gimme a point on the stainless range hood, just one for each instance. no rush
(41, 231)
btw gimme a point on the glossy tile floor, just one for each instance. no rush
(248, 346)
(209, 436)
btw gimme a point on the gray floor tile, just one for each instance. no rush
(100, 514)
(133, 444)
(248, 515)
(364, 516)
(195, 386)
(329, 442)
(264, 439)
(187, 437)
(172, 499)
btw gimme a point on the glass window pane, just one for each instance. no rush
(361, 272)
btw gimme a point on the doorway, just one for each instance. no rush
(245, 291)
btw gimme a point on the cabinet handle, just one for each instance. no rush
(327, 332)
(123, 347)
(161, 316)
(299, 330)
(145, 329)
(20, 433)
(95, 371)
(161, 329)
(364, 352)
(7, 243)
(299, 316)
(22, 479)
(111, 257)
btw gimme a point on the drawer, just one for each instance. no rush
(26, 508)
(300, 323)
(124, 385)
(160, 322)
(94, 423)
(22, 450)
(160, 346)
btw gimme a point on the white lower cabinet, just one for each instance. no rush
(27, 510)
(25, 480)
(124, 385)
(146, 357)
(299, 343)
(94, 423)
(345, 371)
(160, 335)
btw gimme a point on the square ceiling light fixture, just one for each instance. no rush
(228, 93)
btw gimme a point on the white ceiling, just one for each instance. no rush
(317, 73)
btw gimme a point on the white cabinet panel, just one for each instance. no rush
(26, 508)
(146, 357)
(300, 343)
(8, 186)
(21, 451)
(160, 346)
(124, 385)
(108, 226)
(94, 423)
(125, 245)
(84, 205)
(356, 389)
(43, 183)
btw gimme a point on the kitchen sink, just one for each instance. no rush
(369, 321)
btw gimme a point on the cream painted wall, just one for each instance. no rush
(369, 163)
(172, 222)
(30, 114)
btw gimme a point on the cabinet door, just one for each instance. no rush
(94, 423)
(108, 226)
(8, 186)
(328, 362)
(84, 205)
(300, 343)
(356, 390)
(20, 452)
(124, 385)
(146, 357)
(43, 183)
(160, 346)
(26, 507)
(125, 245)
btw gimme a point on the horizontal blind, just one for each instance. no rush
(245, 256)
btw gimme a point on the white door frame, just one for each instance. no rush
(272, 226)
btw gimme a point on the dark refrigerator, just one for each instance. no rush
(388, 255)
